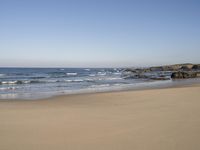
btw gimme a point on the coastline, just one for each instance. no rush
(151, 119)
(178, 83)
(38, 83)
(99, 75)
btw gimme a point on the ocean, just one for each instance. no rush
(36, 83)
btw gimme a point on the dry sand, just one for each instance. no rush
(158, 119)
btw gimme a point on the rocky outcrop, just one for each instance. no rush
(183, 75)
(177, 67)
(185, 68)
(196, 67)
(164, 72)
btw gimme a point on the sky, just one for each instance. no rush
(98, 33)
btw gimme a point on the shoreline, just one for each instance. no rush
(155, 86)
(111, 92)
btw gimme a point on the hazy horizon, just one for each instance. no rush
(98, 33)
(97, 66)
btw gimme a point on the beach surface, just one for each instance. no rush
(155, 119)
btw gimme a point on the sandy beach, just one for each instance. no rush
(156, 119)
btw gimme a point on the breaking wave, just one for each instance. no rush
(71, 74)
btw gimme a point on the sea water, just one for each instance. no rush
(35, 83)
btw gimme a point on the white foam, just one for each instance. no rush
(92, 75)
(68, 80)
(102, 73)
(78, 80)
(26, 82)
(87, 69)
(89, 80)
(7, 88)
(9, 82)
(71, 74)
(114, 78)
(117, 73)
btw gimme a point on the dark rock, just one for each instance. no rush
(196, 67)
(183, 75)
(185, 68)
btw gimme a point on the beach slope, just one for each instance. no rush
(157, 119)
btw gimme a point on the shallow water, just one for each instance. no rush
(35, 83)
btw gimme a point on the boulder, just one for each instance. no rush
(185, 68)
(196, 67)
(183, 75)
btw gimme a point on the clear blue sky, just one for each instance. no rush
(98, 33)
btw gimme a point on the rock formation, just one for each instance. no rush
(182, 75)
(177, 71)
